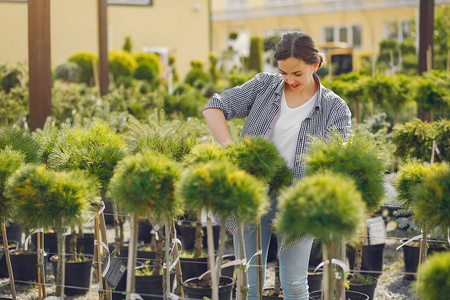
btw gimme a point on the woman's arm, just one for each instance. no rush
(218, 126)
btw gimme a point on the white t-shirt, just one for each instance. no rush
(285, 132)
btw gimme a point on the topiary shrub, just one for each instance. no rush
(196, 77)
(12, 79)
(145, 71)
(150, 58)
(84, 60)
(20, 140)
(69, 72)
(432, 198)
(121, 63)
(434, 277)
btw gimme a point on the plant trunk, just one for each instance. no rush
(243, 279)
(198, 244)
(159, 252)
(41, 266)
(132, 253)
(339, 253)
(105, 251)
(61, 269)
(259, 263)
(358, 261)
(73, 244)
(8, 263)
(118, 237)
(395, 118)
(221, 250)
(179, 274)
(277, 284)
(357, 115)
(328, 271)
(212, 259)
(166, 270)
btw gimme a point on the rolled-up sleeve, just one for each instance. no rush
(236, 102)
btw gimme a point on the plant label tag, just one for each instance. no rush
(377, 230)
(114, 271)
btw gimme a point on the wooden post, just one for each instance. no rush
(39, 63)
(98, 256)
(8, 262)
(103, 47)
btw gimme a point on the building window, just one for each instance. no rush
(130, 2)
(235, 4)
(397, 30)
(349, 33)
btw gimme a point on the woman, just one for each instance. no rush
(286, 108)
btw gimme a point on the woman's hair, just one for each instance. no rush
(299, 45)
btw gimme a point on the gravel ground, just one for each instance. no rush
(391, 284)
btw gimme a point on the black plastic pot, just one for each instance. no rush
(193, 267)
(13, 245)
(78, 277)
(315, 281)
(145, 227)
(315, 257)
(411, 255)
(14, 232)
(151, 287)
(50, 243)
(24, 266)
(272, 253)
(122, 285)
(349, 295)
(372, 259)
(187, 229)
(228, 271)
(368, 289)
(225, 289)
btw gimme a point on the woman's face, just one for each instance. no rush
(296, 73)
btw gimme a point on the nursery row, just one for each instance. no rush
(58, 179)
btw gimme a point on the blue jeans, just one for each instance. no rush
(293, 261)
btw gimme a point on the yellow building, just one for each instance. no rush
(189, 29)
(178, 27)
(359, 25)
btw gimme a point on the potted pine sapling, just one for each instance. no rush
(359, 158)
(327, 206)
(143, 184)
(192, 266)
(10, 161)
(432, 206)
(173, 139)
(45, 198)
(221, 188)
(95, 148)
(260, 157)
(434, 276)
(17, 139)
(411, 174)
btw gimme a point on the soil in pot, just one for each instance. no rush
(349, 295)
(150, 286)
(13, 245)
(372, 259)
(198, 289)
(367, 285)
(78, 277)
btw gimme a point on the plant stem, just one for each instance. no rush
(198, 244)
(212, 259)
(132, 252)
(8, 263)
(328, 276)
(179, 289)
(221, 250)
(61, 271)
(166, 270)
(243, 282)
(259, 263)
